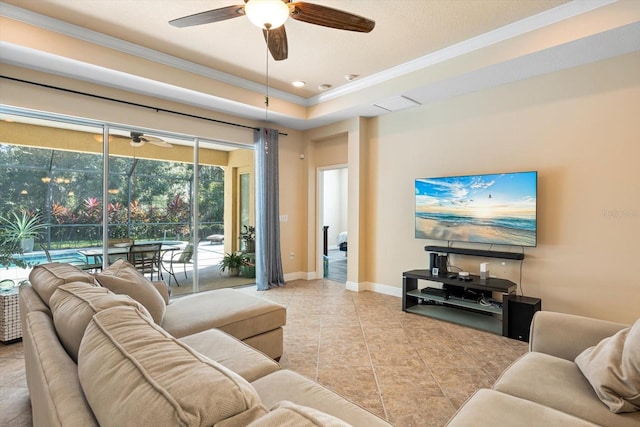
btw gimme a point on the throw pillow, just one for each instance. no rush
(132, 372)
(122, 278)
(74, 304)
(612, 367)
(45, 278)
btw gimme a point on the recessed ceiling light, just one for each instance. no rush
(299, 83)
(324, 86)
(350, 77)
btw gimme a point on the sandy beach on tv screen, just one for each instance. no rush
(436, 230)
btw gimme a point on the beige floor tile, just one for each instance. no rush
(352, 380)
(448, 355)
(401, 381)
(419, 411)
(458, 383)
(15, 407)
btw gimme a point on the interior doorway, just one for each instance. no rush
(333, 218)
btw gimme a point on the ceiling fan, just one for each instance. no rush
(270, 15)
(137, 139)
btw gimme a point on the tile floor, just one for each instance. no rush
(409, 369)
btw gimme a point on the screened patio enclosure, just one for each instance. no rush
(153, 187)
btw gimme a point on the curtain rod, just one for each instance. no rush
(134, 104)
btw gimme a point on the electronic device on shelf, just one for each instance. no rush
(435, 291)
(463, 293)
(497, 209)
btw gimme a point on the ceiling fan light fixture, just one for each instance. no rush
(267, 14)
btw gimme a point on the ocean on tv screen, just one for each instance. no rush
(495, 209)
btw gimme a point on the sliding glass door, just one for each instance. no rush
(53, 169)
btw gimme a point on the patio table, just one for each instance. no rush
(96, 254)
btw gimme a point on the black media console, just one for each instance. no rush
(456, 302)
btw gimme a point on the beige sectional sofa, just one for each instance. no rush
(546, 387)
(95, 356)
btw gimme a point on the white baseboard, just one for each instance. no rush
(350, 286)
(374, 287)
(298, 275)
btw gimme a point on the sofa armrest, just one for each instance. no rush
(567, 335)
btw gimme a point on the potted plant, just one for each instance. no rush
(22, 228)
(9, 248)
(248, 270)
(233, 262)
(248, 236)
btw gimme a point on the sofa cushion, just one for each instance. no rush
(159, 381)
(288, 385)
(122, 278)
(288, 414)
(235, 312)
(558, 383)
(492, 408)
(74, 304)
(613, 369)
(231, 353)
(45, 278)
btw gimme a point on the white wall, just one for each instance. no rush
(335, 203)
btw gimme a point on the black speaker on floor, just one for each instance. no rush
(520, 311)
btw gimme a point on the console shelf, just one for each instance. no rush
(463, 311)
(461, 317)
(475, 252)
(472, 305)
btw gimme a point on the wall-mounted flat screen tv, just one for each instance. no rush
(498, 209)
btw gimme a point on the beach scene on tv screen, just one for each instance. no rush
(496, 209)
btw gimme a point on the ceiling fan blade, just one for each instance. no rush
(158, 142)
(329, 17)
(209, 16)
(138, 143)
(138, 140)
(277, 42)
(112, 137)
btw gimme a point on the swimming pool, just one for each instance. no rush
(72, 255)
(39, 257)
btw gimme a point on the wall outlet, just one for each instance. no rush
(284, 218)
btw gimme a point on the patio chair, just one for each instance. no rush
(145, 257)
(183, 257)
(119, 243)
(83, 265)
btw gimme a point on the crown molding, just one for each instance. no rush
(543, 19)
(120, 45)
(532, 23)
